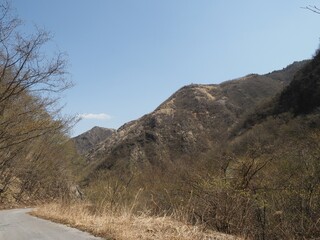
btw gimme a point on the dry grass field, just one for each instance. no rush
(125, 225)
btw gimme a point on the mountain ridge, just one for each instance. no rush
(189, 123)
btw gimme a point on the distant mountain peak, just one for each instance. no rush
(89, 139)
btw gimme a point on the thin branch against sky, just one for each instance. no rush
(312, 8)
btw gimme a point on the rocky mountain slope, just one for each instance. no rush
(91, 138)
(190, 123)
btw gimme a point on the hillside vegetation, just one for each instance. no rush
(34, 155)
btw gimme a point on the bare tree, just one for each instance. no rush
(30, 85)
(27, 75)
(313, 8)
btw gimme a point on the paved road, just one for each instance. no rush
(18, 225)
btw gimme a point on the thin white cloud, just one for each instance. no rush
(95, 116)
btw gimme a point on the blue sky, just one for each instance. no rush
(128, 56)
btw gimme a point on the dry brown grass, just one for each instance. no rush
(125, 226)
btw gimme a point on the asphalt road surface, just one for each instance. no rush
(17, 224)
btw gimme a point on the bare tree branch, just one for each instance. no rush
(312, 8)
(30, 85)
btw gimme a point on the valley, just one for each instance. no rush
(232, 158)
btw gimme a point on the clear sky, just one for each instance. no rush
(128, 56)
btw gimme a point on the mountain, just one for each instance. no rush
(87, 140)
(190, 123)
(242, 155)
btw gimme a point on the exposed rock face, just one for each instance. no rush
(91, 138)
(189, 123)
